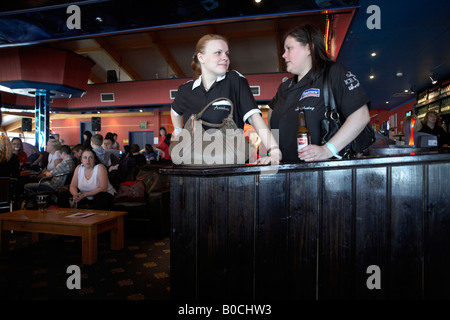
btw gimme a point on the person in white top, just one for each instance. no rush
(54, 157)
(90, 185)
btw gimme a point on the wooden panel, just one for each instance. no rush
(303, 234)
(183, 241)
(271, 274)
(311, 233)
(336, 245)
(372, 228)
(212, 237)
(406, 232)
(240, 237)
(437, 232)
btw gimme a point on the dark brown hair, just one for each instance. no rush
(311, 35)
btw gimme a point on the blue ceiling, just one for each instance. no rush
(414, 38)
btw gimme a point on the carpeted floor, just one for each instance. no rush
(38, 271)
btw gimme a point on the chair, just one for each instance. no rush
(7, 194)
(52, 195)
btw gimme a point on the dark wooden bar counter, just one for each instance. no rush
(311, 230)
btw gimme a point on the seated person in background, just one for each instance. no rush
(87, 135)
(90, 185)
(96, 144)
(54, 157)
(114, 154)
(77, 150)
(139, 157)
(32, 152)
(58, 175)
(432, 124)
(18, 150)
(150, 153)
(163, 149)
(9, 161)
(116, 144)
(122, 171)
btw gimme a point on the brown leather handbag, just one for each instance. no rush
(224, 144)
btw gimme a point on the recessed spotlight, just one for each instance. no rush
(371, 76)
(99, 19)
(387, 102)
(373, 54)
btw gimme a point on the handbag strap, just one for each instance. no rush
(328, 96)
(198, 116)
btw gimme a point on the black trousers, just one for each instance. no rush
(101, 201)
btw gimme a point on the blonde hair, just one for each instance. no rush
(55, 143)
(200, 48)
(6, 149)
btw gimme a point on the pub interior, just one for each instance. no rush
(372, 228)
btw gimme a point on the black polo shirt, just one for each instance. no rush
(192, 98)
(308, 94)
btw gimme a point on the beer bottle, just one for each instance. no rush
(303, 137)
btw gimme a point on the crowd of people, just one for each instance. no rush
(90, 172)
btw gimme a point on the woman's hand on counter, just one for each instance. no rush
(314, 152)
(274, 157)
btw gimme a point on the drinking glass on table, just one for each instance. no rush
(41, 202)
(73, 204)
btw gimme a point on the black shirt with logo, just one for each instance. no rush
(192, 97)
(308, 95)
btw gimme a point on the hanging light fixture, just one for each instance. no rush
(433, 79)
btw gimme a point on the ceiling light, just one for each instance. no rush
(373, 54)
(433, 81)
(372, 76)
(257, 1)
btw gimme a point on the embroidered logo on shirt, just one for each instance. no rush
(310, 93)
(351, 81)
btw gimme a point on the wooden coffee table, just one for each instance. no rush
(56, 221)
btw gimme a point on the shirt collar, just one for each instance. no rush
(198, 81)
(306, 79)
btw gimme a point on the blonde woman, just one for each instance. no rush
(9, 162)
(54, 157)
(212, 80)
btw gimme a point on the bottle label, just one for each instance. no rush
(302, 142)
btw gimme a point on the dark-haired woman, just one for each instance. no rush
(306, 58)
(212, 80)
(90, 182)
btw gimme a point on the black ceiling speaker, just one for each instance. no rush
(96, 124)
(27, 124)
(111, 76)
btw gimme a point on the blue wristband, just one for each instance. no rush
(333, 150)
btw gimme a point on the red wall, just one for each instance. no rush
(69, 129)
(379, 116)
(156, 92)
